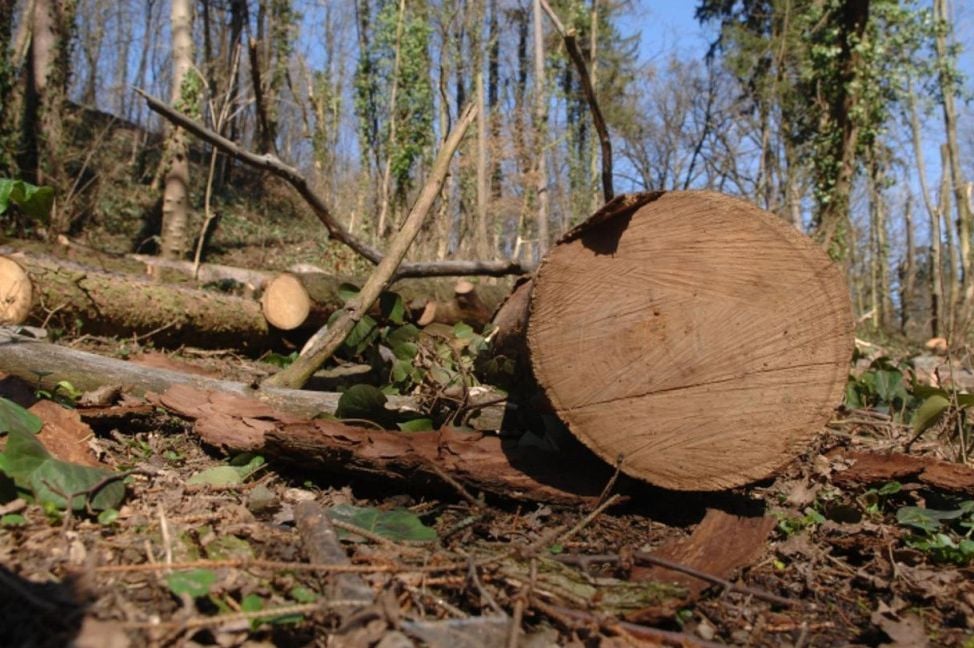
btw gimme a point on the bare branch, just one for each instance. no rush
(335, 229)
(300, 370)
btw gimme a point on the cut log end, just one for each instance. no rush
(16, 292)
(698, 338)
(285, 302)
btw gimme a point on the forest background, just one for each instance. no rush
(851, 119)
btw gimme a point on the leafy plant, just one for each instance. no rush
(881, 387)
(945, 535)
(35, 202)
(51, 482)
(398, 524)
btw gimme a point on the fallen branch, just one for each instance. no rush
(297, 374)
(335, 229)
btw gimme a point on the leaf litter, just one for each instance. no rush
(850, 545)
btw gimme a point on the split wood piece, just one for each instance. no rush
(16, 293)
(698, 338)
(44, 365)
(119, 304)
(466, 306)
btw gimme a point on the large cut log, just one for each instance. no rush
(119, 304)
(695, 337)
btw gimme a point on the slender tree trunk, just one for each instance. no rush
(908, 270)
(952, 158)
(833, 217)
(540, 130)
(481, 246)
(382, 229)
(175, 197)
(594, 144)
(951, 274)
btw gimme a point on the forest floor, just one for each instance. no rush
(211, 550)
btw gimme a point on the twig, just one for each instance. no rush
(298, 373)
(646, 557)
(573, 618)
(285, 565)
(335, 229)
(589, 518)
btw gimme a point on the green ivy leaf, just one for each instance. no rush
(392, 308)
(194, 582)
(347, 291)
(218, 476)
(364, 402)
(398, 524)
(929, 412)
(34, 201)
(13, 416)
(416, 425)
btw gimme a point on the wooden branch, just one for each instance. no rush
(292, 176)
(597, 118)
(300, 370)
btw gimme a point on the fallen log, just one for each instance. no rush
(113, 303)
(294, 300)
(274, 421)
(44, 365)
(695, 337)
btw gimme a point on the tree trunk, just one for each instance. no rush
(481, 246)
(833, 223)
(540, 131)
(908, 273)
(700, 340)
(175, 196)
(952, 156)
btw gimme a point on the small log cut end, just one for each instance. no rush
(16, 292)
(285, 302)
(698, 338)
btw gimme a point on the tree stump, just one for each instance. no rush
(695, 337)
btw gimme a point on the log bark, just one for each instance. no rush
(698, 338)
(122, 305)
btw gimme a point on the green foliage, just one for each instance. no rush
(192, 582)
(881, 387)
(239, 470)
(398, 524)
(375, 76)
(51, 482)
(35, 202)
(945, 535)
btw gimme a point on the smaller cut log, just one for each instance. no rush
(285, 302)
(111, 303)
(430, 300)
(16, 292)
